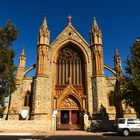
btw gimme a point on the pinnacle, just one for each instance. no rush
(23, 52)
(44, 24)
(94, 25)
(116, 52)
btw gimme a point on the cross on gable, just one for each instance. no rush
(69, 18)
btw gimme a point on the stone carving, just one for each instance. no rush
(69, 102)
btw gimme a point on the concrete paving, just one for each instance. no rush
(48, 133)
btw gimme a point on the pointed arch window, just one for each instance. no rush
(70, 66)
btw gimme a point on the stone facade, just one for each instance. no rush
(69, 80)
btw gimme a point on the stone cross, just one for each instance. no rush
(69, 18)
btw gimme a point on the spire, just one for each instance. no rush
(22, 59)
(23, 52)
(44, 33)
(117, 61)
(116, 52)
(95, 33)
(44, 24)
(95, 25)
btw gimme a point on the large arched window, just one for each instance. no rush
(70, 66)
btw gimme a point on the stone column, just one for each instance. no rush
(84, 102)
(54, 122)
(86, 122)
(59, 116)
(70, 117)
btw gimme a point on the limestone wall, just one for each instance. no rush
(23, 126)
(17, 97)
(27, 84)
(110, 82)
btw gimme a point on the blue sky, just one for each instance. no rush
(119, 21)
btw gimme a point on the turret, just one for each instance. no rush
(22, 60)
(42, 48)
(44, 33)
(97, 49)
(21, 67)
(117, 65)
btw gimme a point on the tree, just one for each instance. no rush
(132, 77)
(8, 34)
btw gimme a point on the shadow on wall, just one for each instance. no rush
(100, 122)
(102, 125)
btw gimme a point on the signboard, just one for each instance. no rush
(24, 113)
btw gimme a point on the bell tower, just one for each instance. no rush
(42, 48)
(96, 49)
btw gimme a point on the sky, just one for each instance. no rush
(119, 21)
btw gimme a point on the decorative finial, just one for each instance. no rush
(23, 52)
(94, 25)
(116, 52)
(69, 18)
(44, 24)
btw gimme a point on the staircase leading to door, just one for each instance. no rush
(68, 127)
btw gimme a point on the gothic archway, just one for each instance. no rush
(70, 66)
(70, 114)
(70, 70)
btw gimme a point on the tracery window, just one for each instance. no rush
(70, 66)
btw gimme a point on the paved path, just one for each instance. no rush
(70, 132)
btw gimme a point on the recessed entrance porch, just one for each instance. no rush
(69, 114)
(69, 119)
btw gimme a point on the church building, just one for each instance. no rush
(69, 79)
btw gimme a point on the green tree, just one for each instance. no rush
(8, 34)
(132, 77)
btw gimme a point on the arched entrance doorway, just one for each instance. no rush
(70, 87)
(70, 114)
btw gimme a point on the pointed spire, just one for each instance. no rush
(117, 60)
(95, 33)
(44, 24)
(116, 52)
(44, 33)
(23, 52)
(94, 25)
(22, 59)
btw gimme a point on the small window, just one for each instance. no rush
(121, 121)
(137, 121)
(130, 121)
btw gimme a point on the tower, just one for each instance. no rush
(98, 80)
(42, 48)
(96, 49)
(117, 65)
(22, 59)
(21, 65)
(41, 101)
